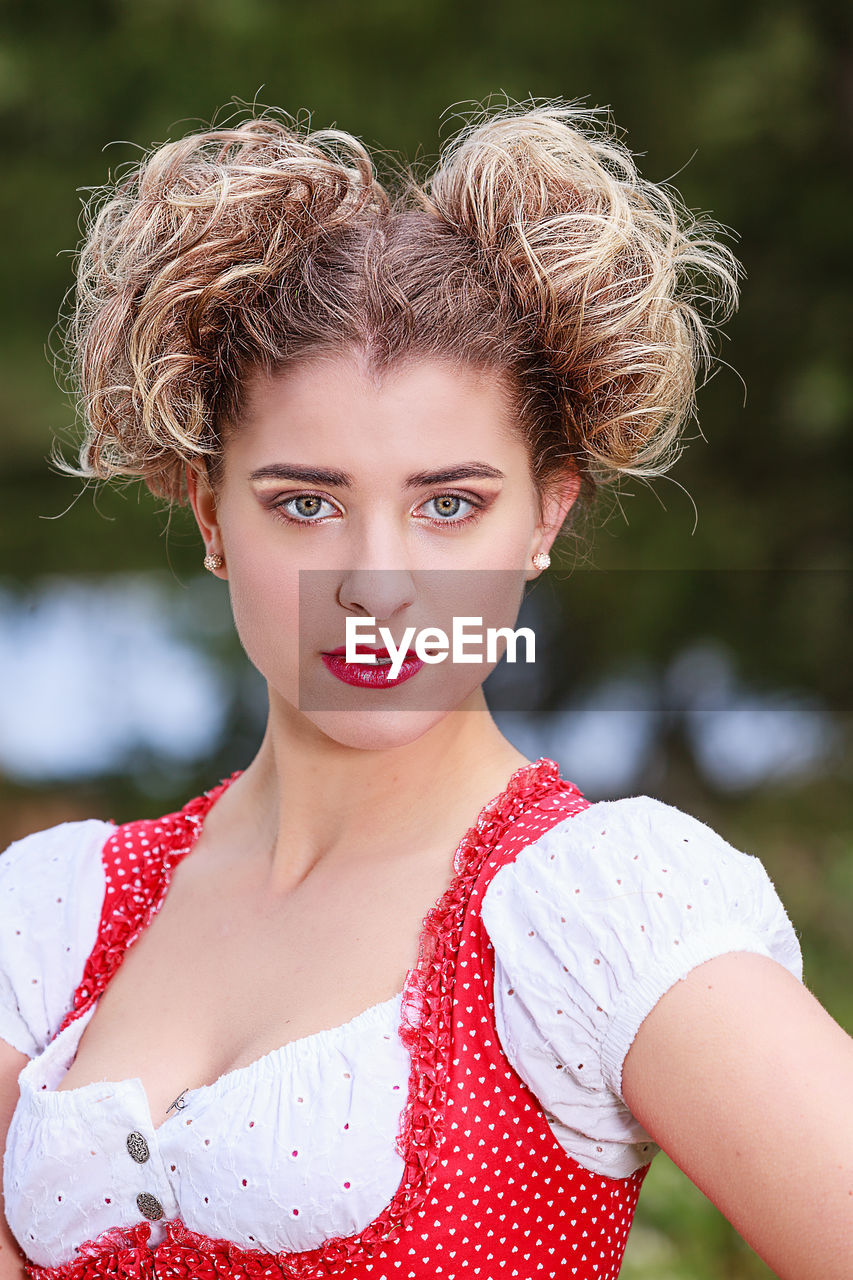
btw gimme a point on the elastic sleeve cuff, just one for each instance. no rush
(647, 989)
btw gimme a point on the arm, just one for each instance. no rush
(12, 1062)
(746, 1082)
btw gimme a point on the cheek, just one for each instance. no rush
(265, 605)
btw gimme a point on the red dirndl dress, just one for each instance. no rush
(487, 1190)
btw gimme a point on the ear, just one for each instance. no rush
(203, 502)
(557, 500)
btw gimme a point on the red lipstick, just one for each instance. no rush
(366, 675)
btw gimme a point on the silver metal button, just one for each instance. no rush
(149, 1206)
(138, 1147)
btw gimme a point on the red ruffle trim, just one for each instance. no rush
(426, 1031)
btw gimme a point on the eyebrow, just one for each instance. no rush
(343, 480)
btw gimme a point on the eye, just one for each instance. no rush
(305, 508)
(447, 505)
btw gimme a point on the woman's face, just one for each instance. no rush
(407, 499)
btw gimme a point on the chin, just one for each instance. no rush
(375, 730)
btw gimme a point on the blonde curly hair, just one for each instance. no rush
(533, 248)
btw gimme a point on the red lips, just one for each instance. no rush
(371, 675)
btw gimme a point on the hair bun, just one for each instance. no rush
(195, 232)
(611, 269)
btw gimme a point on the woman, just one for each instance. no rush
(240, 1039)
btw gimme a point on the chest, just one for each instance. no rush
(225, 972)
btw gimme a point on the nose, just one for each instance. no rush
(377, 593)
(378, 582)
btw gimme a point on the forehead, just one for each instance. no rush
(339, 403)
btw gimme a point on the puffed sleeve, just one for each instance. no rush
(591, 925)
(51, 893)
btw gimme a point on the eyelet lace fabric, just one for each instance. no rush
(427, 1031)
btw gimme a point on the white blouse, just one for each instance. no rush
(591, 924)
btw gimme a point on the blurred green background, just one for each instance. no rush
(704, 653)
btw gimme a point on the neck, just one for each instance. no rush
(307, 798)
